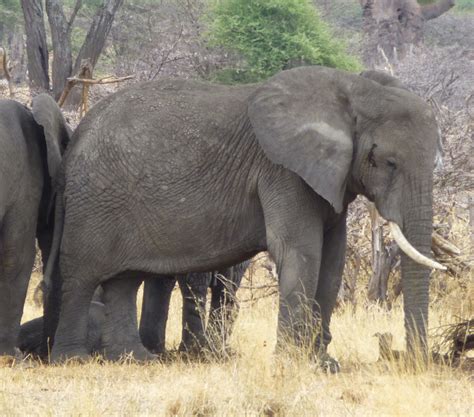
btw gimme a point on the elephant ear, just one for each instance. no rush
(302, 120)
(56, 132)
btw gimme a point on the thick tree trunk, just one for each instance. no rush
(434, 10)
(393, 26)
(36, 46)
(60, 34)
(16, 46)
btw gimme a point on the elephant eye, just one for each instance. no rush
(391, 163)
(371, 156)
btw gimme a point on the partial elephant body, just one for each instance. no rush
(175, 176)
(30, 155)
(194, 287)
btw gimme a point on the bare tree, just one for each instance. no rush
(395, 25)
(61, 28)
(36, 47)
(61, 38)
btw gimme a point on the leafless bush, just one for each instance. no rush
(164, 39)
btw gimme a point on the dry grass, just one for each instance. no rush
(256, 382)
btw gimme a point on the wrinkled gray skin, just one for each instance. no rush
(31, 143)
(174, 176)
(223, 309)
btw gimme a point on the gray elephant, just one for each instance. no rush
(174, 176)
(31, 143)
(223, 309)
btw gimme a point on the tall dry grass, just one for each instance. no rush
(256, 382)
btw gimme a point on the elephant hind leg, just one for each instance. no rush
(70, 341)
(120, 334)
(17, 251)
(194, 291)
(156, 301)
(224, 308)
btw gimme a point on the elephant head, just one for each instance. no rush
(346, 134)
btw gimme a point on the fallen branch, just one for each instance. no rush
(440, 242)
(84, 77)
(104, 80)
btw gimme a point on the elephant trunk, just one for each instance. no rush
(417, 227)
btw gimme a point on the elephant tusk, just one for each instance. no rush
(410, 251)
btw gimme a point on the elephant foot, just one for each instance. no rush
(69, 356)
(136, 353)
(10, 359)
(328, 364)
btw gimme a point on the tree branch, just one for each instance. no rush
(434, 10)
(77, 7)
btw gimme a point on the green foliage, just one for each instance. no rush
(271, 35)
(10, 13)
(467, 5)
(461, 5)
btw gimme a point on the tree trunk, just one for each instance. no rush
(98, 32)
(394, 26)
(434, 10)
(94, 43)
(16, 46)
(36, 46)
(61, 37)
(383, 259)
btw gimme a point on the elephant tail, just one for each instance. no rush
(53, 260)
(52, 281)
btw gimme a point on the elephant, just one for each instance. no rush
(223, 309)
(31, 143)
(172, 176)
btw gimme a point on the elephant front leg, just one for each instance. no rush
(156, 302)
(120, 334)
(294, 229)
(330, 277)
(298, 276)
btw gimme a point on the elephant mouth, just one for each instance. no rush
(409, 250)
